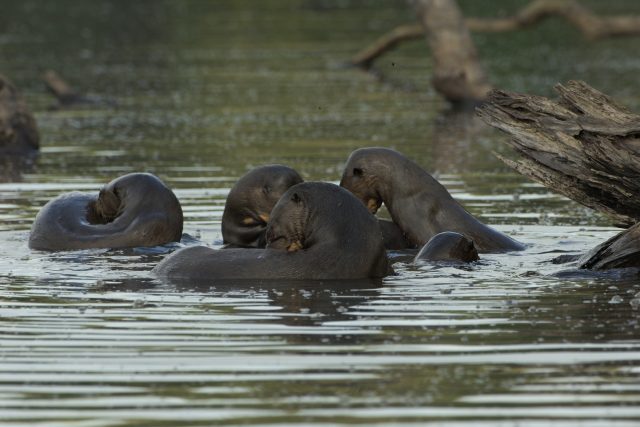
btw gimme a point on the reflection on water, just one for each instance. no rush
(207, 90)
(13, 166)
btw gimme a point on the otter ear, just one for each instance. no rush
(266, 189)
(106, 193)
(116, 191)
(357, 172)
(295, 198)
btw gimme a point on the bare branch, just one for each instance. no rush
(389, 41)
(589, 24)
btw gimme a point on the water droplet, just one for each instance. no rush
(616, 299)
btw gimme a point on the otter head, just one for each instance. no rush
(287, 229)
(107, 206)
(366, 176)
(326, 226)
(136, 192)
(250, 201)
(448, 246)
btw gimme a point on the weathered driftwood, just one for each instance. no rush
(457, 72)
(18, 131)
(583, 145)
(589, 24)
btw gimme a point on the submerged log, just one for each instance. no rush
(18, 131)
(68, 97)
(59, 88)
(621, 251)
(583, 145)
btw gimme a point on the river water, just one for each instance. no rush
(207, 90)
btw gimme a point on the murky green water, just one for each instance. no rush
(206, 90)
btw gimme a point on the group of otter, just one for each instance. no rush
(276, 226)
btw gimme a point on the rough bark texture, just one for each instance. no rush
(585, 147)
(591, 25)
(582, 145)
(457, 72)
(18, 132)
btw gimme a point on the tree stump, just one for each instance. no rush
(583, 146)
(457, 72)
(18, 131)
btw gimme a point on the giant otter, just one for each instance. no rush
(249, 204)
(392, 236)
(448, 246)
(418, 204)
(133, 210)
(316, 231)
(251, 199)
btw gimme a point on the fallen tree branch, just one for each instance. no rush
(387, 42)
(583, 145)
(589, 24)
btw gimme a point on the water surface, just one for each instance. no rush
(207, 90)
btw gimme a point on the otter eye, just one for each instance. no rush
(357, 172)
(295, 198)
